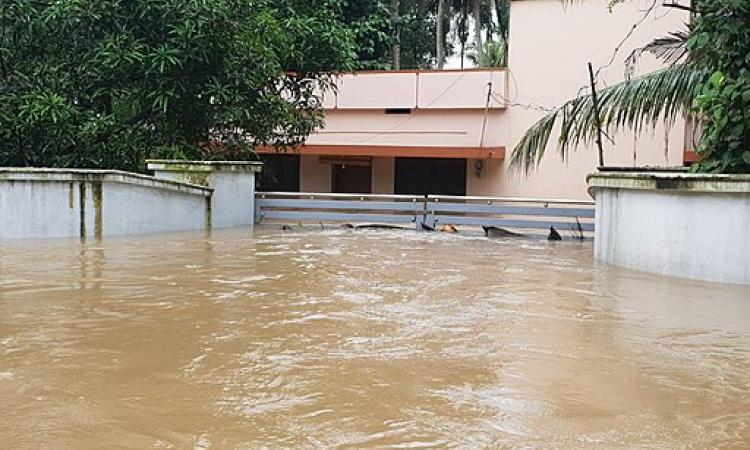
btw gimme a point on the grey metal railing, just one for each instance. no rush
(323, 207)
(431, 211)
(503, 212)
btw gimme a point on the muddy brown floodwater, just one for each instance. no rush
(361, 338)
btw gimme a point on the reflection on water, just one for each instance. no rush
(361, 338)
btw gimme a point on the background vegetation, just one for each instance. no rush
(721, 43)
(105, 83)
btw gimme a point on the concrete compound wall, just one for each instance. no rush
(50, 203)
(185, 195)
(682, 225)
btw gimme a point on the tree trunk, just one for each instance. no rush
(396, 41)
(440, 34)
(501, 10)
(463, 29)
(492, 6)
(477, 13)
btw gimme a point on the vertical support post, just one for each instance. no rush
(258, 212)
(421, 219)
(429, 217)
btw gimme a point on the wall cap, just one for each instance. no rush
(176, 165)
(669, 181)
(33, 174)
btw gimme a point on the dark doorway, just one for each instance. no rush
(280, 173)
(423, 176)
(351, 179)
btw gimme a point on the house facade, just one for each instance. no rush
(452, 132)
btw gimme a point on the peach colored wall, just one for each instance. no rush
(314, 176)
(461, 90)
(418, 89)
(420, 128)
(383, 173)
(486, 182)
(396, 90)
(550, 46)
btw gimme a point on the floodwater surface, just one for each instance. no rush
(361, 338)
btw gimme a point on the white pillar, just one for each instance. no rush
(233, 184)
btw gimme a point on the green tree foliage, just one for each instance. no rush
(372, 23)
(494, 21)
(106, 83)
(721, 38)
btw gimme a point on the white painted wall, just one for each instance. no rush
(50, 203)
(39, 209)
(232, 182)
(688, 234)
(233, 202)
(136, 210)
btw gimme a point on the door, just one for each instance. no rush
(351, 179)
(425, 176)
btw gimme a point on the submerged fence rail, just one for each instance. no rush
(428, 212)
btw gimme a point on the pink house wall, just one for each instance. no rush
(550, 46)
(550, 67)
(420, 128)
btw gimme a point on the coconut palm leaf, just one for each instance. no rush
(494, 54)
(670, 49)
(641, 102)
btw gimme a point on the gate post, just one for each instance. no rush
(233, 184)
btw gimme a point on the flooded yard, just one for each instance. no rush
(337, 337)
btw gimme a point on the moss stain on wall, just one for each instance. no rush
(71, 196)
(208, 212)
(199, 178)
(82, 208)
(98, 213)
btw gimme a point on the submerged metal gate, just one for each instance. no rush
(430, 211)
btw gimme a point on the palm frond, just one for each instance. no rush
(636, 104)
(670, 49)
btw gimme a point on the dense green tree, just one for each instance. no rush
(370, 22)
(418, 31)
(382, 32)
(105, 83)
(721, 43)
